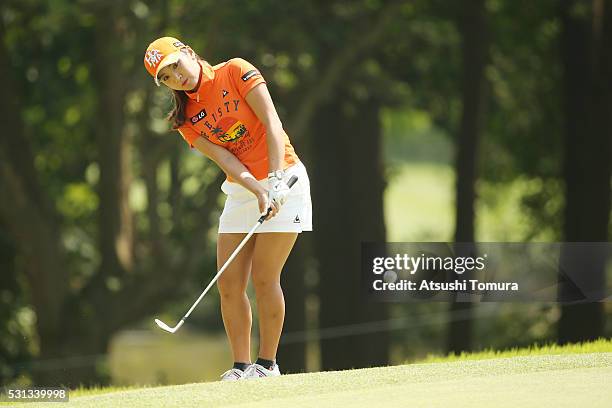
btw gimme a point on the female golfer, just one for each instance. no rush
(226, 112)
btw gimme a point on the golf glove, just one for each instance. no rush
(278, 190)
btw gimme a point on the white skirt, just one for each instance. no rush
(241, 210)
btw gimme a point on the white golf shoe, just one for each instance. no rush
(258, 371)
(233, 374)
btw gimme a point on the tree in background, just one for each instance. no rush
(474, 50)
(14, 315)
(349, 184)
(587, 63)
(80, 296)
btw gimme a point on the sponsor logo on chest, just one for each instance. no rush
(211, 117)
(198, 117)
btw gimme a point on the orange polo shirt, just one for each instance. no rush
(218, 111)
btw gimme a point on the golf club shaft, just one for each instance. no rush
(291, 182)
(229, 260)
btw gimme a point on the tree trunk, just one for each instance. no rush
(30, 218)
(292, 356)
(115, 220)
(474, 58)
(586, 170)
(347, 199)
(367, 184)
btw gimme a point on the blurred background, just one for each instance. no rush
(418, 120)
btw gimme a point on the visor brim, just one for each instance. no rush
(169, 59)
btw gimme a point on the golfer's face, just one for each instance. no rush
(182, 75)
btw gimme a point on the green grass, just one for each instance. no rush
(549, 376)
(82, 391)
(598, 346)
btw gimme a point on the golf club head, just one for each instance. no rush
(167, 328)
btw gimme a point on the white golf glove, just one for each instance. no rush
(278, 189)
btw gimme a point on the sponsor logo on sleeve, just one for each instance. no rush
(250, 74)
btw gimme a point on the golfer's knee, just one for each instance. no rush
(264, 284)
(229, 289)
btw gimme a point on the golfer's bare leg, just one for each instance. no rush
(269, 256)
(235, 306)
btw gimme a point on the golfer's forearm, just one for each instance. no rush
(230, 165)
(238, 171)
(276, 146)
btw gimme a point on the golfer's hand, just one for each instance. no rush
(264, 203)
(279, 190)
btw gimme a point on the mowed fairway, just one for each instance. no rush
(564, 380)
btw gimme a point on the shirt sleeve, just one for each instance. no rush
(245, 76)
(189, 135)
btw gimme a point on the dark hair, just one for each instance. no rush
(176, 116)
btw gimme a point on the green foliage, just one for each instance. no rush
(16, 317)
(411, 136)
(525, 121)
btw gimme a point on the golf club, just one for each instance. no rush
(260, 221)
